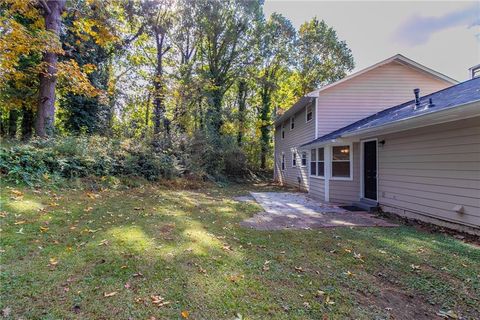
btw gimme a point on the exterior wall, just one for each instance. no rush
(347, 191)
(424, 173)
(302, 133)
(366, 94)
(317, 188)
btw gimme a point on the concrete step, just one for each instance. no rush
(367, 205)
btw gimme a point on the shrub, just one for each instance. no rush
(68, 157)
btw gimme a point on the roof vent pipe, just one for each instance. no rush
(417, 97)
(430, 103)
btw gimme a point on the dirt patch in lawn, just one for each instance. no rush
(397, 304)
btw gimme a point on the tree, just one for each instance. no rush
(224, 27)
(52, 13)
(275, 50)
(86, 40)
(322, 57)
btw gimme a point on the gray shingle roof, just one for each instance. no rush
(451, 97)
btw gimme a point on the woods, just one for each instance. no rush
(197, 80)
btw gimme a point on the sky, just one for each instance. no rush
(442, 35)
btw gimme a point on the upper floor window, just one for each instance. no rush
(292, 123)
(341, 161)
(304, 159)
(283, 131)
(309, 112)
(294, 159)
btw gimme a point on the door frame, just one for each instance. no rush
(362, 169)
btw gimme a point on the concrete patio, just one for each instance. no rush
(290, 210)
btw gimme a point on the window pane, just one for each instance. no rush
(309, 116)
(341, 153)
(321, 169)
(313, 168)
(304, 158)
(313, 155)
(341, 169)
(321, 154)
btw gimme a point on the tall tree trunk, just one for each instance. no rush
(264, 127)
(27, 123)
(213, 114)
(159, 120)
(12, 123)
(242, 104)
(48, 79)
(3, 126)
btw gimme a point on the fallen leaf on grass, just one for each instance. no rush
(299, 269)
(415, 267)
(53, 262)
(227, 247)
(185, 314)
(159, 301)
(111, 294)
(6, 312)
(358, 256)
(266, 266)
(329, 301)
(43, 229)
(349, 273)
(447, 314)
(127, 285)
(20, 222)
(104, 242)
(88, 209)
(17, 193)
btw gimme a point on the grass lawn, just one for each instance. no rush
(153, 252)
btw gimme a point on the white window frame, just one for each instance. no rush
(282, 162)
(332, 177)
(292, 122)
(294, 159)
(316, 163)
(306, 113)
(306, 159)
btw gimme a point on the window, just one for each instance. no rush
(292, 123)
(283, 131)
(341, 159)
(317, 162)
(294, 159)
(283, 161)
(321, 162)
(304, 159)
(313, 162)
(309, 112)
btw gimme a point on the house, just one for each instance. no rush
(345, 144)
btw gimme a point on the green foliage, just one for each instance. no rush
(44, 161)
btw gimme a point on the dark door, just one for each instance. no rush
(370, 169)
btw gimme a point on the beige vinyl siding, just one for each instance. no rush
(366, 94)
(302, 133)
(428, 171)
(317, 188)
(347, 191)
